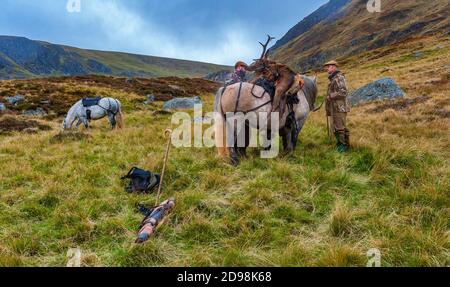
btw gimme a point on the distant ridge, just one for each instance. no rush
(22, 58)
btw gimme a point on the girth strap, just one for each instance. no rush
(238, 98)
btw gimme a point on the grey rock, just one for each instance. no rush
(447, 66)
(15, 100)
(39, 112)
(160, 112)
(182, 103)
(201, 120)
(219, 77)
(418, 54)
(175, 87)
(150, 100)
(224, 76)
(2, 107)
(440, 47)
(383, 89)
(45, 102)
(31, 130)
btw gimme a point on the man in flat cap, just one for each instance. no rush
(239, 73)
(337, 105)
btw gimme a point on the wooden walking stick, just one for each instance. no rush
(331, 127)
(167, 133)
(328, 126)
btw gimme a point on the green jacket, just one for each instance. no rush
(338, 92)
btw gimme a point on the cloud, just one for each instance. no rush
(203, 30)
(127, 30)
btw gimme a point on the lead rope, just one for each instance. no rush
(167, 133)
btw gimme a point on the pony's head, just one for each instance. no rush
(64, 124)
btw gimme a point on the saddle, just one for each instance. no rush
(89, 102)
(267, 85)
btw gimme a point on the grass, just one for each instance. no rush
(317, 208)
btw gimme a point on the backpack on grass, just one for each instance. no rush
(141, 181)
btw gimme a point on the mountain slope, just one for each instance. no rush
(354, 30)
(24, 58)
(324, 12)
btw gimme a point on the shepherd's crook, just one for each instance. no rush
(168, 133)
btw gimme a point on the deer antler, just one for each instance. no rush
(264, 53)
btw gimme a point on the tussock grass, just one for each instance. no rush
(317, 208)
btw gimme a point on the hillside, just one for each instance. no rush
(318, 208)
(354, 30)
(23, 58)
(330, 9)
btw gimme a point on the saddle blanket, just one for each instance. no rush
(89, 102)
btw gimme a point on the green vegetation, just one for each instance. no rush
(317, 208)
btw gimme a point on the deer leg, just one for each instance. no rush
(276, 101)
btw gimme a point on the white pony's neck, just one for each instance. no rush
(70, 118)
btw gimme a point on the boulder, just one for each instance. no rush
(182, 103)
(383, 89)
(418, 54)
(39, 112)
(202, 120)
(150, 100)
(219, 77)
(15, 100)
(2, 107)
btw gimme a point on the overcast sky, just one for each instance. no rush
(215, 31)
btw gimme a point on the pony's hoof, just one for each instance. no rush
(234, 162)
(288, 153)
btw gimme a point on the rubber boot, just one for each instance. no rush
(340, 145)
(347, 141)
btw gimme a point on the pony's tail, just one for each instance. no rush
(220, 126)
(119, 118)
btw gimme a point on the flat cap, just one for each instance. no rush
(331, 63)
(241, 63)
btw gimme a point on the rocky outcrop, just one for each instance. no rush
(15, 100)
(182, 103)
(150, 99)
(219, 77)
(39, 112)
(383, 89)
(326, 11)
